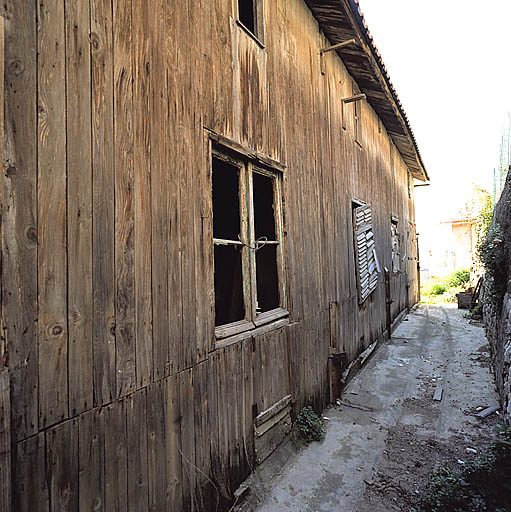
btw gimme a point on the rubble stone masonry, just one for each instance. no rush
(497, 313)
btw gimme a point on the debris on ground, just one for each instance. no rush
(488, 411)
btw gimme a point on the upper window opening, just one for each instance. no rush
(250, 17)
(247, 14)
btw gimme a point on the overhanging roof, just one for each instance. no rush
(342, 20)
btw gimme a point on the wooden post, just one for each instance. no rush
(336, 364)
(5, 442)
(333, 312)
(418, 269)
(388, 302)
(5, 402)
(331, 48)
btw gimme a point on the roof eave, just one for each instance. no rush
(341, 20)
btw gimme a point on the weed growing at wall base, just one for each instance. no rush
(479, 485)
(311, 425)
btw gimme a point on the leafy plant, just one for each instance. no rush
(449, 490)
(485, 217)
(445, 290)
(477, 485)
(311, 425)
(437, 289)
(458, 278)
(475, 313)
(490, 250)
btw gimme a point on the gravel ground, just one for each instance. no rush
(378, 457)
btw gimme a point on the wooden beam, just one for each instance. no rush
(331, 48)
(356, 97)
(272, 411)
(337, 46)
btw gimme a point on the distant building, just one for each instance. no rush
(460, 253)
(452, 248)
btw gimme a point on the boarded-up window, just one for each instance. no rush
(396, 247)
(365, 252)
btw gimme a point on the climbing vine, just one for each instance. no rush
(491, 253)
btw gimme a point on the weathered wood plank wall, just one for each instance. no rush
(119, 398)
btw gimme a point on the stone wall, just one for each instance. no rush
(497, 300)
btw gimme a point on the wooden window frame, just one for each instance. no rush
(253, 318)
(258, 34)
(367, 266)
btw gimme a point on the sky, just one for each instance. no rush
(450, 63)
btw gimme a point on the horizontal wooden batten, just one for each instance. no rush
(221, 241)
(271, 421)
(272, 411)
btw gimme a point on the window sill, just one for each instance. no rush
(272, 326)
(270, 316)
(225, 331)
(250, 34)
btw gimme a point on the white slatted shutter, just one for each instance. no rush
(365, 252)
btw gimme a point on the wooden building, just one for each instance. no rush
(199, 201)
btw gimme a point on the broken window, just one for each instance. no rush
(246, 14)
(396, 246)
(247, 243)
(229, 305)
(250, 16)
(367, 264)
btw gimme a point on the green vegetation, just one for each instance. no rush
(311, 425)
(490, 250)
(485, 216)
(444, 290)
(475, 313)
(477, 485)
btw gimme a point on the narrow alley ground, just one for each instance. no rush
(377, 457)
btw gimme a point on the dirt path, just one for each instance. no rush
(379, 458)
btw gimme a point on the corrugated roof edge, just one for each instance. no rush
(358, 15)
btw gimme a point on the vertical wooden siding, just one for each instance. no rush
(119, 400)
